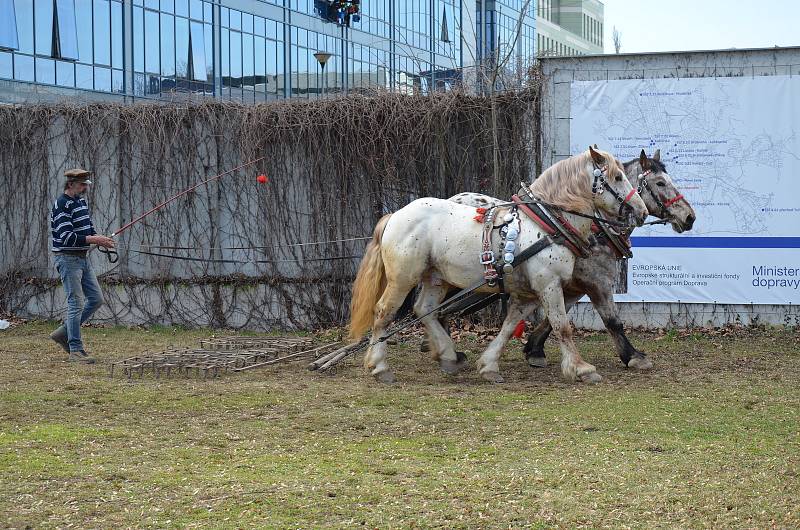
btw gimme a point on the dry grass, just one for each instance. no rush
(708, 439)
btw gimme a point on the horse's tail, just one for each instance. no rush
(369, 285)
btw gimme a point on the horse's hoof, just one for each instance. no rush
(590, 377)
(537, 362)
(640, 363)
(452, 367)
(493, 377)
(386, 377)
(424, 346)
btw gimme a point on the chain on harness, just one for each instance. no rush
(494, 267)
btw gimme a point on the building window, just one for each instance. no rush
(197, 53)
(102, 32)
(56, 33)
(50, 49)
(173, 47)
(252, 57)
(307, 77)
(447, 29)
(8, 26)
(444, 33)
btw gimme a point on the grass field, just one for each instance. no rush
(708, 439)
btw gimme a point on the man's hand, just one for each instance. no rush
(101, 241)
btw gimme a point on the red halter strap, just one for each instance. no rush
(630, 194)
(663, 204)
(673, 200)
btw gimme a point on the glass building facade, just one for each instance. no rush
(496, 28)
(247, 50)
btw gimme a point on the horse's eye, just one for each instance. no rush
(660, 184)
(619, 178)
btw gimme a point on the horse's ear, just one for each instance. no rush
(643, 161)
(597, 157)
(595, 146)
(657, 155)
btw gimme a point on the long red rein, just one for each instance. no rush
(181, 194)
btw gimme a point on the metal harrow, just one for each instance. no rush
(220, 355)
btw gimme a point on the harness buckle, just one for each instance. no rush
(487, 257)
(599, 182)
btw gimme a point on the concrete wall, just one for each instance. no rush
(555, 112)
(254, 258)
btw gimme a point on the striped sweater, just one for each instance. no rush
(70, 223)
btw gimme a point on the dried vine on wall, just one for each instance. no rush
(335, 167)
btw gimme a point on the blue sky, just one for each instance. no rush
(669, 25)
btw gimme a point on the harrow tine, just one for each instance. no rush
(218, 355)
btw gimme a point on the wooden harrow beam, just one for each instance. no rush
(246, 343)
(321, 350)
(326, 362)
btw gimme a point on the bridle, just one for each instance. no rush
(663, 205)
(600, 184)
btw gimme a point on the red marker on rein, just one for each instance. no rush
(262, 179)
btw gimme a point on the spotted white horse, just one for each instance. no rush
(437, 243)
(595, 275)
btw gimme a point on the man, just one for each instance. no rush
(73, 234)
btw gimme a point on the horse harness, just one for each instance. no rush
(600, 184)
(556, 228)
(618, 241)
(557, 231)
(662, 205)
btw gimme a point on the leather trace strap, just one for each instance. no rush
(487, 254)
(619, 243)
(552, 224)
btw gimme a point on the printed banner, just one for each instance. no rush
(732, 146)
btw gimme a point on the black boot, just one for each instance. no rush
(80, 357)
(60, 337)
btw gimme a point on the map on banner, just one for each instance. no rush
(732, 147)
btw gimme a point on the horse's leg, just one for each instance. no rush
(534, 347)
(390, 302)
(603, 302)
(439, 341)
(425, 345)
(572, 365)
(488, 363)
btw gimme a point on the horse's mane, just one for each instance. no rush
(566, 183)
(656, 165)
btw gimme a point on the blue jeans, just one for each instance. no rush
(79, 283)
